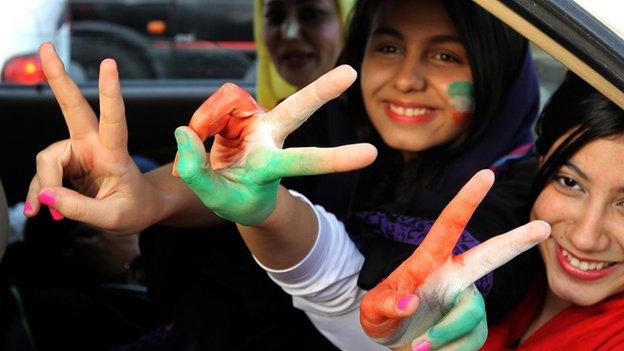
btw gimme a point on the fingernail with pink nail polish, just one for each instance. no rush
(56, 215)
(47, 199)
(27, 207)
(404, 301)
(421, 346)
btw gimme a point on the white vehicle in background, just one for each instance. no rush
(24, 25)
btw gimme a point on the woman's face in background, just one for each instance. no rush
(303, 37)
(416, 79)
(584, 205)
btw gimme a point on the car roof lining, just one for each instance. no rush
(552, 47)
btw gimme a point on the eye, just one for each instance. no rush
(387, 49)
(446, 57)
(568, 183)
(311, 14)
(274, 17)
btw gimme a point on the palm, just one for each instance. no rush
(433, 277)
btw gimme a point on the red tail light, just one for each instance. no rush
(23, 70)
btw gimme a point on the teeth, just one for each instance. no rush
(583, 265)
(408, 111)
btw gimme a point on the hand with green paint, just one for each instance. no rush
(430, 296)
(239, 179)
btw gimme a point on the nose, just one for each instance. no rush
(589, 231)
(409, 76)
(291, 28)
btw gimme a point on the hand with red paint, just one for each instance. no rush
(425, 298)
(239, 179)
(108, 190)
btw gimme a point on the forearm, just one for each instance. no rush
(178, 206)
(290, 230)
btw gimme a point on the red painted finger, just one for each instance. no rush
(442, 238)
(383, 309)
(214, 114)
(221, 114)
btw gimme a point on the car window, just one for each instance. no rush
(150, 39)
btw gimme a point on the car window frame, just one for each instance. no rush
(571, 35)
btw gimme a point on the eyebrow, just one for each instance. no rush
(576, 169)
(442, 38)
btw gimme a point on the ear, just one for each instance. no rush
(541, 159)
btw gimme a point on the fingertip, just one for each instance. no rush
(181, 136)
(421, 345)
(487, 174)
(108, 64)
(348, 71)
(542, 228)
(407, 304)
(46, 47)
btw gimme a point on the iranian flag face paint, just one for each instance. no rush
(461, 95)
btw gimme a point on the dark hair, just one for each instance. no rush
(579, 109)
(495, 53)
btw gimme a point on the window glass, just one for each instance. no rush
(150, 39)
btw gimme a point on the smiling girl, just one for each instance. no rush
(576, 300)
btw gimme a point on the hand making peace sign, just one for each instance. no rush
(426, 286)
(240, 178)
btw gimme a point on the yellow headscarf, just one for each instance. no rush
(270, 86)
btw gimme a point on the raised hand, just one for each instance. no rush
(422, 290)
(111, 193)
(240, 180)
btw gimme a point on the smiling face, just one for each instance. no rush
(303, 37)
(584, 204)
(416, 80)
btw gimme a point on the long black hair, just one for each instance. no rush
(495, 53)
(583, 112)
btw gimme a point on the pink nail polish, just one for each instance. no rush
(47, 199)
(27, 207)
(404, 301)
(56, 215)
(421, 346)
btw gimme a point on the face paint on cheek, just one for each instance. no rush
(461, 94)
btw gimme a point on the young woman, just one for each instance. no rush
(579, 192)
(296, 42)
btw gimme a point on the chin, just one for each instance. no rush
(576, 295)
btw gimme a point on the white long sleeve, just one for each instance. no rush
(324, 284)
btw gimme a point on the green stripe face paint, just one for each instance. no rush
(461, 95)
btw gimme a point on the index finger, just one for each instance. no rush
(296, 109)
(79, 116)
(446, 230)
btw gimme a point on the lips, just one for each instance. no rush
(408, 113)
(581, 268)
(296, 58)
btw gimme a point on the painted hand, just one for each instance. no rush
(426, 286)
(240, 178)
(111, 193)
